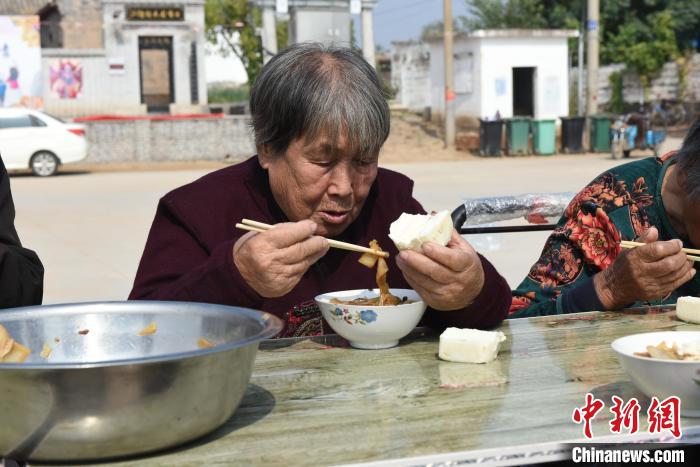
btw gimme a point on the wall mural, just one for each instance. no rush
(20, 62)
(66, 79)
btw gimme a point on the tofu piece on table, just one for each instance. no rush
(470, 345)
(688, 309)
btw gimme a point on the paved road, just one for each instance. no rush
(90, 228)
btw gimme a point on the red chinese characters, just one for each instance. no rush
(665, 415)
(586, 413)
(661, 415)
(626, 416)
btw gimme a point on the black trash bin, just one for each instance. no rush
(490, 137)
(572, 129)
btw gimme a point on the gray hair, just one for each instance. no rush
(310, 90)
(688, 160)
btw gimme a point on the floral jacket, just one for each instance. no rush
(620, 204)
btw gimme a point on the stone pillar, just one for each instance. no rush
(368, 32)
(269, 32)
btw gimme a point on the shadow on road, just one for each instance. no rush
(60, 173)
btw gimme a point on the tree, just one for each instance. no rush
(644, 46)
(230, 25)
(432, 31)
(282, 34)
(353, 36)
(686, 22)
(497, 14)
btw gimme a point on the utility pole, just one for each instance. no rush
(449, 77)
(592, 27)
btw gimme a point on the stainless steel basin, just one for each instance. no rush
(110, 392)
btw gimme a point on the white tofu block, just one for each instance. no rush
(470, 345)
(688, 309)
(410, 231)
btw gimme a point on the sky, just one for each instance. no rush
(394, 20)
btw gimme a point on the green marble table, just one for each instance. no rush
(317, 401)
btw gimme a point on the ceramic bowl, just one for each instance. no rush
(371, 327)
(662, 378)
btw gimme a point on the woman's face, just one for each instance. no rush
(313, 180)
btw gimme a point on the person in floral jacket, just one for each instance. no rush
(582, 267)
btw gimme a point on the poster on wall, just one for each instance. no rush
(66, 79)
(20, 62)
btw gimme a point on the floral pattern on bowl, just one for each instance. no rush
(354, 317)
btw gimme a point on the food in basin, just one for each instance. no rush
(111, 392)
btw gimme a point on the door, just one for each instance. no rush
(524, 92)
(156, 67)
(17, 141)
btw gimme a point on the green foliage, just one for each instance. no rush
(230, 24)
(434, 30)
(353, 36)
(643, 45)
(282, 34)
(686, 21)
(220, 94)
(496, 14)
(616, 103)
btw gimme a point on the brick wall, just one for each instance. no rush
(81, 23)
(217, 139)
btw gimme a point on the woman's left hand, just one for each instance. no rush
(446, 277)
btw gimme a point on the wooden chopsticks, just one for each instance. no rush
(689, 251)
(253, 226)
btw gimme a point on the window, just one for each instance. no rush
(464, 72)
(52, 116)
(37, 121)
(19, 121)
(51, 31)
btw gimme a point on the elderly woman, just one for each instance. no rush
(582, 268)
(320, 118)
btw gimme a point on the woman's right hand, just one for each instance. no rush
(649, 272)
(273, 262)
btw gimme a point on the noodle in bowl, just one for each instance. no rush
(371, 326)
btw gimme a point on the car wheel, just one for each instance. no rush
(43, 164)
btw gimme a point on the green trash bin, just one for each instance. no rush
(518, 135)
(544, 136)
(600, 133)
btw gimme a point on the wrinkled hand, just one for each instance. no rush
(273, 262)
(446, 277)
(648, 272)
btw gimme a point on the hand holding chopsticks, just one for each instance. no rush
(689, 251)
(649, 271)
(253, 226)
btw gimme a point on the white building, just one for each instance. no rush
(119, 56)
(509, 72)
(154, 54)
